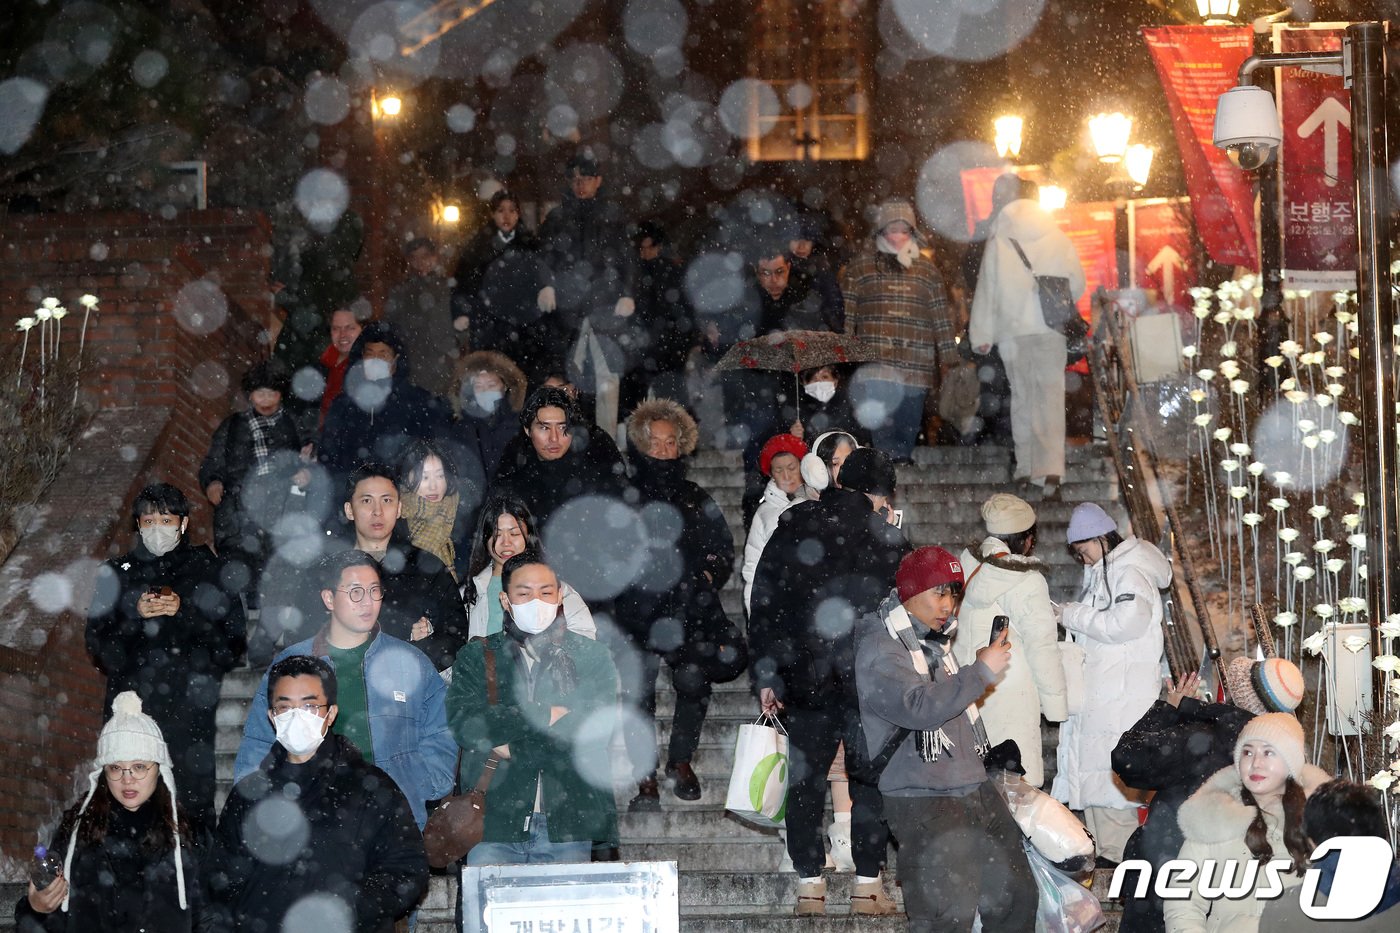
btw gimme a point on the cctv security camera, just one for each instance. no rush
(1246, 122)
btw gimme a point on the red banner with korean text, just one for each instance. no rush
(1090, 227)
(1162, 250)
(977, 184)
(1315, 171)
(1197, 64)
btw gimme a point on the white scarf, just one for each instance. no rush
(905, 254)
(932, 744)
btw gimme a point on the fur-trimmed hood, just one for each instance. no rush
(662, 409)
(497, 364)
(1216, 814)
(998, 573)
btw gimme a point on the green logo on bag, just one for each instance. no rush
(768, 767)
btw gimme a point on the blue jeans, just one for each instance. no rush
(537, 850)
(894, 413)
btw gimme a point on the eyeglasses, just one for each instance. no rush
(139, 770)
(357, 593)
(312, 708)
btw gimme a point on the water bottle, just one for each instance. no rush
(45, 868)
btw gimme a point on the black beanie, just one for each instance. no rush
(867, 470)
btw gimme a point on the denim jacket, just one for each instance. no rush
(407, 720)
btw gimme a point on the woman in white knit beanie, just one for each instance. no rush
(127, 864)
(1249, 811)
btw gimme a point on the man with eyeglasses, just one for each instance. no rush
(391, 702)
(317, 837)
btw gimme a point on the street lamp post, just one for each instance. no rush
(1362, 60)
(1219, 12)
(1110, 132)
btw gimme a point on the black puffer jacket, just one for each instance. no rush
(828, 563)
(122, 883)
(1173, 751)
(680, 552)
(373, 421)
(174, 663)
(335, 826)
(498, 284)
(589, 261)
(592, 466)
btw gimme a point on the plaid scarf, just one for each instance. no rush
(262, 426)
(430, 526)
(933, 743)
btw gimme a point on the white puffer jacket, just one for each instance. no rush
(1007, 301)
(1034, 682)
(1214, 820)
(1118, 622)
(577, 617)
(774, 503)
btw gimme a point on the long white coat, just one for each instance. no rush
(765, 518)
(577, 617)
(1034, 682)
(1007, 303)
(1118, 622)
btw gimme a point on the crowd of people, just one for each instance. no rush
(460, 577)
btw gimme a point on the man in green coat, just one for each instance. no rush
(542, 702)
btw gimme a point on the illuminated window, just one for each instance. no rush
(813, 54)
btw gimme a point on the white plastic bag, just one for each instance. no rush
(758, 783)
(1048, 825)
(1064, 905)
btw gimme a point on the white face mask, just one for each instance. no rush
(822, 391)
(160, 539)
(535, 616)
(488, 400)
(376, 370)
(299, 732)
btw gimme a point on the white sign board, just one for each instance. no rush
(595, 897)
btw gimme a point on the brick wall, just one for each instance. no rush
(184, 311)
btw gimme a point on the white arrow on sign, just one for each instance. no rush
(1330, 114)
(1167, 261)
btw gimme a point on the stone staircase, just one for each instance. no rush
(729, 877)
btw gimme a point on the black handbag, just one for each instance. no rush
(1058, 309)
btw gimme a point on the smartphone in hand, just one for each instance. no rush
(999, 625)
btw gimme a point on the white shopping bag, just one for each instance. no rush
(758, 783)
(1049, 826)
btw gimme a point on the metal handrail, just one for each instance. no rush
(1118, 399)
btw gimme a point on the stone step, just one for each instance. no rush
(696, 822)
(957, 489)
(712, 893)
(745, 855)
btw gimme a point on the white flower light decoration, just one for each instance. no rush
(1288, 535)
(1382, 780)
(1222, 434)
(43, 314)
(1351, 605)
(1323, 337)
(1239, 492)
(1189, 352)
(1358, 499)
(1334, 565)
(1357, 541)
(1315, 642)
(88, 301)
(1290, 348)
(1228, 349)
(1324, 610)
(1251, 518)
(1278, 504)
(25, 323)
(1239, 449)
(1283, 478)
(1335, 372)
(1203, 420)
(1348, 419)
(1196, 395)
(1354, 643)
(1229, 465)
(1304, 573)
(1286, 619)
(1390, 664)
(1390, 628)
(1319, 512)
(1293, 558)
(1273, 362)
(1205, 375)
(49, 303)
(1255, 469)
(1229, 369)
